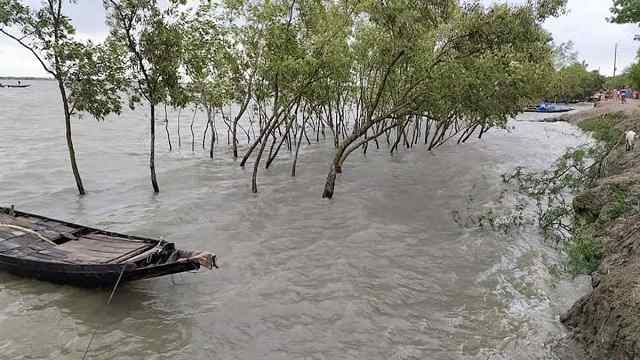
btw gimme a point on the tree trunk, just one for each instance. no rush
(295, 157)
(254, 176)
(166, 127)
(213, 133)
(72, 153)
(263, 138)
(204, 136)
(272, 156)
(152, 155)
(330, 184)
(193, 135)
(234, 129)
(234, 140)
(179, 139)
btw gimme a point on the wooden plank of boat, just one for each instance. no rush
(17, 86)
(58, 251)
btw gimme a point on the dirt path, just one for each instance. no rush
(603, 107)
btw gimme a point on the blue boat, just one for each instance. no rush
(548, 108)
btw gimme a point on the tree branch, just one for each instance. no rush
(19, 41)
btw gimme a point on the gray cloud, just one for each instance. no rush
(594, 37)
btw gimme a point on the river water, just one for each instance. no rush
(380, 272)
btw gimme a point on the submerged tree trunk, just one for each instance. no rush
(295, 157)
(206, 129)
(152, 154)
(213, 133)
(330, 184)
(179, 139)
(193, 135)
(234, 139)
(234, 128)
(254, 176)
(72, 153)
(166, 127)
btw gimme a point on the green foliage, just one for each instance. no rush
(583, 250)
(564, 55)
(619, 81)
(13, 12)
(356, 67)
(633, 74)
(577, 171)
(619, 206)
(604, 128)
(573, 81)
(624, 203)
(625, 11)
(153, 48)
(552, 189)
(96, 82)
(550, 192)
(207, 58)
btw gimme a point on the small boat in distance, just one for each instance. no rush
(19, 84)
(61, 252)
(548, 108)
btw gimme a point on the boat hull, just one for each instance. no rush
(548, 111)
(82, 256)
(89, 275)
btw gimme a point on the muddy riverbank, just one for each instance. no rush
(607, 320)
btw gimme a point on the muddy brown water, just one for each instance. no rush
(380, 272)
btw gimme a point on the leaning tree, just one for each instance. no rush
(442, 69)
(399, 71)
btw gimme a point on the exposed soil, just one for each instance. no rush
(607, 321)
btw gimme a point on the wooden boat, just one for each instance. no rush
(62, 252)
(17, 86)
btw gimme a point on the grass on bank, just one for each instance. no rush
(604, 128)
(583, 250)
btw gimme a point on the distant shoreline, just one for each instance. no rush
(23, 78)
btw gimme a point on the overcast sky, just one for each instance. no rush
(585, 25)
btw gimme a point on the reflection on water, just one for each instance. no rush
(380, 272)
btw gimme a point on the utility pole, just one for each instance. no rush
(615, 60)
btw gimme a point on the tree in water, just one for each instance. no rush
(454, 68)
(246, 48)
(87, 76)
(206, 62)
(154, 47)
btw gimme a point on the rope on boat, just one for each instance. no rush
(16, 227)
(86, 351)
